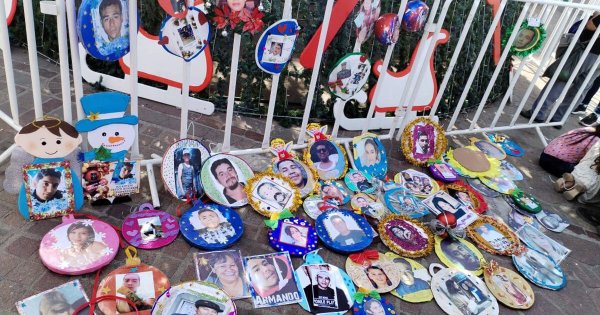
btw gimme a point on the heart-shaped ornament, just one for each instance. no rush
(132, 233)
(164, 40)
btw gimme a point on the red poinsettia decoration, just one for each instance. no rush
(252, 20)
(224, 16)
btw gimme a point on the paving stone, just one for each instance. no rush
(178, 249)
(40, 228)
(168, 266)
(23, 247)
(27, 272)
(50, 280)
(8, 263)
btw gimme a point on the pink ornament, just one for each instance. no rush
(149, 228)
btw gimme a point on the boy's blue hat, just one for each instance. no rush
(103, 109)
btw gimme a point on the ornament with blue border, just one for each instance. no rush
(370, 302)
(415, 16)
(103, 30)
(369, 155)
(276, 45)
(185, 37)
(211, 226)
(344, 231)
(294, 235)
(358, 181)
(540, 269)
(508, 145)
(315, 267)
(401, 201)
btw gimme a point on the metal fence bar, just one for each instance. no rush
(587, 80)
(315, 72)
(133, 73)
(477, 64)
(63, 58)
(8, 69)
(499, 67)
(36, 88)
(235, 57)
(463, 36)
(75, 60)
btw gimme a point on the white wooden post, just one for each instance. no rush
(235, 56)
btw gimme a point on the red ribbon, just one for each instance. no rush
(364, 256)
(327, 205)
(190, 199)
(94, 300)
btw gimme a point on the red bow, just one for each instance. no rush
(320, 136)
(284, 155)
(365, 256)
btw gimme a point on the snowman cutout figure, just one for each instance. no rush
(111, 134)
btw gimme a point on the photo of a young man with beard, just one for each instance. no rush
(226, 175)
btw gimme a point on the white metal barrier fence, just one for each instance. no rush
(546, 10)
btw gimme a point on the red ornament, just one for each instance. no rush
(387, 28)
(447, 219)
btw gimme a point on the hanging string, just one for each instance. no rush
(95, 300)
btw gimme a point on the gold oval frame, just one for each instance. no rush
(514, 278)
(501, 227)
(296, 198)
(387, 241)
(479, 204)
(307, 169)
(450, 264)
(307, 159)
(440, 142)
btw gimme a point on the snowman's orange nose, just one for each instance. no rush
(115, 139)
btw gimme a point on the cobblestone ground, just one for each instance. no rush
(22, 274)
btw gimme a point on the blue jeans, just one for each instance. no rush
(590, 94)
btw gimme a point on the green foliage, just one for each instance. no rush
(253, 84)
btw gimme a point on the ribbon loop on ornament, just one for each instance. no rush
(364, 256)
(132, 257)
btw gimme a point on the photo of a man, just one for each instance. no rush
(459, 254)
(360, 180)
(322, 293)
(294, 171)
(272, 279)
(111, 15)
(46, 184)
(225, 174)
(342, 234)
(130, 289)
(274, 195)
(409, 284)
(204, 307)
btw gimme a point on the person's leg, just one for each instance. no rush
(555, 166)
(553, 94)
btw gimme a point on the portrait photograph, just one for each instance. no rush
(298, 173)
(415, 280)
(137, 287)
(510, 171)
(379, 275)
(212, 226)
(365, 19)
(272, 194)
(181, 166)
(368, 206)
(187, 163)
(150, 228)
(423, 140)
(401, 201)
(482, 188)
(324, 288)
(517, 219)
(527, 38)
(370, 155)
(194, 297)
(64, 299)
(349, 75)
(293, 234)
(465, 295)
(48, 190)
(456, 253)
(493, 237)
(110, 20)
(343, 230)
(224, 178)
(423, 137)
(225, 269)
(327, 159)
(442, 202)
(406, 236)
(335, 190)
(540, 269)
(79, 246)
(185, 36)
(510, 288)
(358, 181)
(278, 48)
(552, 221)
(419, 184)
(272, 280)
(539, 241)
(239, 5)
(462, 197)
(312, 206)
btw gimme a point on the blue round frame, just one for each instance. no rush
(311, 238)
(191, 235)
(388, 194)
(535, 281)
(360, 221)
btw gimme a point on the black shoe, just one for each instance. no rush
(527, 114)
(590, 215)
(579, 110)
(557, 127)
(589, 120)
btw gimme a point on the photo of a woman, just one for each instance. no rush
(226, 271)
(374, 307)
(377, 277)
(370, 154)
(511, 289)
(212, 226)
(84, 249)
(294, 235)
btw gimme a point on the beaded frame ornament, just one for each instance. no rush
(514, 280)
(276, 236)
(500, 227)
(265, 206)
(283, 152)
(479, 204)
(436, 141)
(318, 136)
(421, 248)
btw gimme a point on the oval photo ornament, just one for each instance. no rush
(349, 75)
(224, 177)
(414, 280)
(270, 194)
(344, 231)
(149, 228)
(423, 140)
(540, 269)
(406, 237)
(211, 226)
(459, 254)
(401, 201)
(377, 274)
(508, 286)
(185, 37)
(493, 236)
(276, 45)
(181, 167)
(369, 155)
(530, 37)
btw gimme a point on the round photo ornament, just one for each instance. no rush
(289, 234)
(500, 184)
(276, 45)
(526, 201)
(415, 281)
(211, 226)
(540, 269)
(488, 148)
(79, 246)
(471, 162)
(530, 37)
(270, 193)
(181, 167)
(287, 164)
(349, 75)
(367, 205)
(148, 228)
(373, 271)
(103, 28)
(467, 196)
(370, 302)
(224, 177)
(335, 192)
(458, 292)
(369, 155)
(343, 231)
(418, 183)
(324, 155)
(508, 145)
(313, 276)
(493, 236)
(508, 286)
(459, 254)
(314, 205)
(405, 236)
(358, 181)
(423, 140)
(140, 284)
(188, 297)
(401, 201)
(443, 171)
(185, 37)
